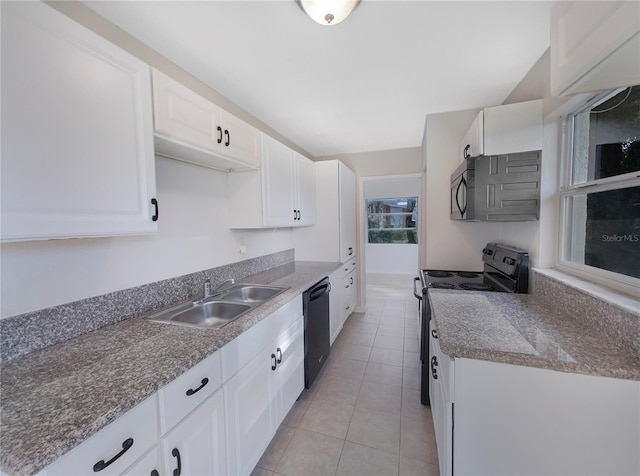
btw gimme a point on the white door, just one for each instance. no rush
(305, 190)
(347, 213)
(77, 139)
(197, 445)
(249, 399)
(277, 183)
(290, 370)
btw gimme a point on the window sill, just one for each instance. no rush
(611, 296)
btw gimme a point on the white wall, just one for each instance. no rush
(391, 258)
(382, 162)
(193, 235)
(451, 244)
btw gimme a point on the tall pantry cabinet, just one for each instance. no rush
(334, 237)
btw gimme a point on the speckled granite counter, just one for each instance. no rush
(55, 398)
(523, 329)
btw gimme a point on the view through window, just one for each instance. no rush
(393, 220)
(602, 197)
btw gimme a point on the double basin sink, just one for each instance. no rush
(220, 309)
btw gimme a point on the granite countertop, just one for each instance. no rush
(55, 398)
(522, 329)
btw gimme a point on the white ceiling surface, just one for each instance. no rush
(363, 85)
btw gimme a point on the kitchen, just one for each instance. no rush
(93, 267)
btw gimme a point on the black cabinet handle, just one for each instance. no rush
(176, 454)
(154, 472)
(279, 355)
(465, 153)
(434, 333)
(228, 136)
(350, 251)
(434, 370)
(274, 362)
(100, 465)
(155, 216)
(203, 382)
(219, 129)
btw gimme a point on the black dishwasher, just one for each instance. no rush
(316, 329)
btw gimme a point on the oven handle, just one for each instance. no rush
(415, 292)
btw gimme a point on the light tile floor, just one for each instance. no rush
(363, 415)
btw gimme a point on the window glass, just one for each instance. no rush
(602, 217)
(606, 137)
(392, 220)
(604, 230)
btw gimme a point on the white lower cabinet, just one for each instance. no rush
(197, 446)
(343, 297)
(260, 395)
(215, 419)
(501, 419)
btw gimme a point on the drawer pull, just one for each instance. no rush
(191, 391)
(279, 355)
(100, 465)
(154, 472)
(176, 454)
(434, 333)
(274, 360)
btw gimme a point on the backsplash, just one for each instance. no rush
(620, 325)
(31, 331)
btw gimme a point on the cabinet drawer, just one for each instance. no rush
(139, 425)
(181, 396)
(348, 267)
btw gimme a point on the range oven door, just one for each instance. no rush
(418, 296)
(423, 339)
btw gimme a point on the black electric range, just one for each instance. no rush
(506, 269)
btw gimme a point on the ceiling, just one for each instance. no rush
(362, 85)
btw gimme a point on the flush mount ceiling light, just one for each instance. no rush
(328, 12)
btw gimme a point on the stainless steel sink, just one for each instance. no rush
(219, 310)
(250, 293)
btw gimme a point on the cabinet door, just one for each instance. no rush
(249, 397)
(336, 316)
(181, 114)
(305, 181)
(146, 465)
(77, 139)
(290, 370)
(513, 128)
(347, 213)
(197, 445)
(472, 144)
(277, 183)
(240, 140)
(349, 294)
(594, 46)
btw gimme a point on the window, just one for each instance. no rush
(601, 191)
(393, 220)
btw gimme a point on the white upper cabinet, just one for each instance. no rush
(77, 137)
(594, 46)
(192, 129)
(334, 236)
(280, 194)
(507, 129)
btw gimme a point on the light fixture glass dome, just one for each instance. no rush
(328, 12)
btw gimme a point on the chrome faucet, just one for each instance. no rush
(218, 290)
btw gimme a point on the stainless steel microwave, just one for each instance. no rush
(463, 191)
(497, 188)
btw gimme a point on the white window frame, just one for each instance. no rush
(415, 228)
(610, 279)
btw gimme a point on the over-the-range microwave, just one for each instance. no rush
(497, 188)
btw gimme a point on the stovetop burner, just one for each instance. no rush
(465, 274)
(439, 274)
(442, 285)
(476, 287)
